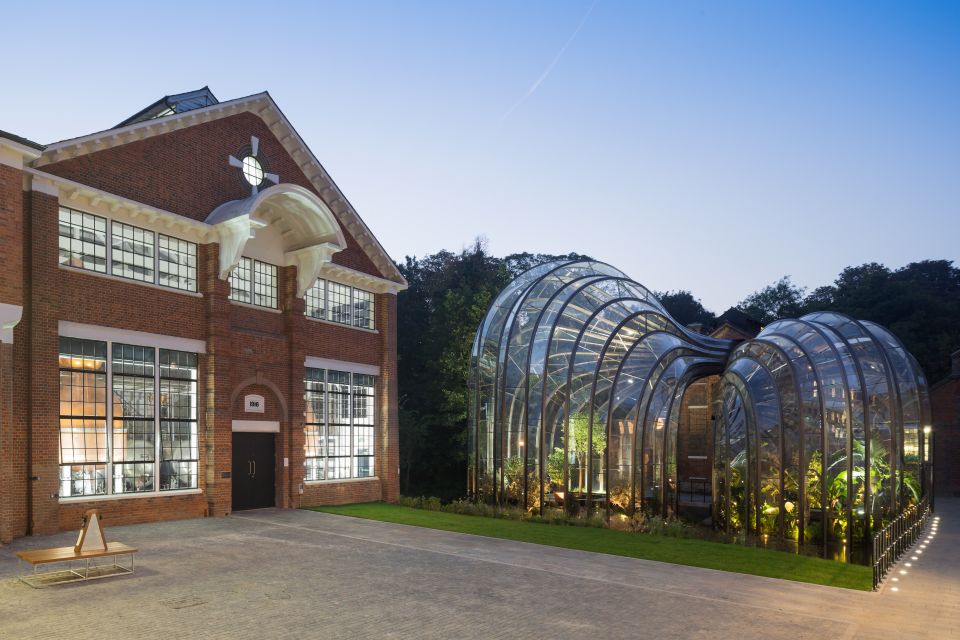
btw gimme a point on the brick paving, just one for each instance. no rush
(297, 574)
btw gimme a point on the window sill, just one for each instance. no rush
(340, 324)
(248, 305)
(313, 483)
(131, 496)
(151, 285)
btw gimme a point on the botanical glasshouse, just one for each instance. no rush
(585, 396)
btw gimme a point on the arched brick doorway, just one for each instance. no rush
(259, 417)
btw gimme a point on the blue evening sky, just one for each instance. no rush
(697, 145)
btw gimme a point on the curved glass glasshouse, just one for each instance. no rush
(581, 384)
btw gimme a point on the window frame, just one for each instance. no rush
(108, 467)
(331, 405)
(254, 287)
(322, 288)
(108, 261)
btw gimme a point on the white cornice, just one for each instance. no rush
(16, 154)
(346, 275)
(75, 195)
(263, 106)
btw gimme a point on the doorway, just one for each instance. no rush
(254, 461)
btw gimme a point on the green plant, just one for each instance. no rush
(580, 432)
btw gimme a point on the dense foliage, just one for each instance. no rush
(449, 294)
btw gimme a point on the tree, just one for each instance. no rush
(685, 308)
(437, 318)
(782, 299)
(517, 263)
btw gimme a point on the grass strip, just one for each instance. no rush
(691, 552)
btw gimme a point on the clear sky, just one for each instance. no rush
(696, 145)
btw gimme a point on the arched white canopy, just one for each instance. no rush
(310, 231)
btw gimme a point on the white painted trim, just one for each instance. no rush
(110, 276)
(42, 185)
(313, 483)
(75, 195)
(359, 279)
(15, 154)
(256, 426)
(339, 365)
(10, 315)
(69, 329)
(131, 496)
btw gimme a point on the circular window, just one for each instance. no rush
(252, 171)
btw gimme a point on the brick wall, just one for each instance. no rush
(945, 404)
(186, 172)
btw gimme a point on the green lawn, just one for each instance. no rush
(696, 553)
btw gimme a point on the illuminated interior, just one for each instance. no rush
(581, 382)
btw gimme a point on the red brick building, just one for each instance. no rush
(945, 404)
(193, 320)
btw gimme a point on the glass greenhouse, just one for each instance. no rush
(581, 382)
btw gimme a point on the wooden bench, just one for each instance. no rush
(91, 546)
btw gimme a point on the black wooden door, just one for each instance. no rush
(253, 470)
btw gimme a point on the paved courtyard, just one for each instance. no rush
(298, 574)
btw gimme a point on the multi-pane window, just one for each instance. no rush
(252, 281)
(339, 426)
(314, 449)
(362, 426)
(362, 309)
(151, 412)
(179, 449)
(132, 254)
(264, 284)
(134, 407)
(83, 417)
(178, 263)
(135, 253)
(316, 300)
(83, 240)
(241, 281)
(338, 295)
(340, 303)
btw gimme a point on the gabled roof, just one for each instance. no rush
(21, 140)
(177, 103)
(263, 106)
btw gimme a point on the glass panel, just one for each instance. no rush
(83, 240)
(264, 284)
(179, 449)
(241, 281)
(314, 451)
(83, 411)
(315, 300)
(363, 309)
(132, 252)
(178, 263)
(338, 425)
(134, 425)
(338, 299)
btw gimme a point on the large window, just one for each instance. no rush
(135, 253)
(340, 303)
(254, 282)
(179, 450)
(178, 263)
(340, 425)
(83, 417)
(151, 413)
(83, 240)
